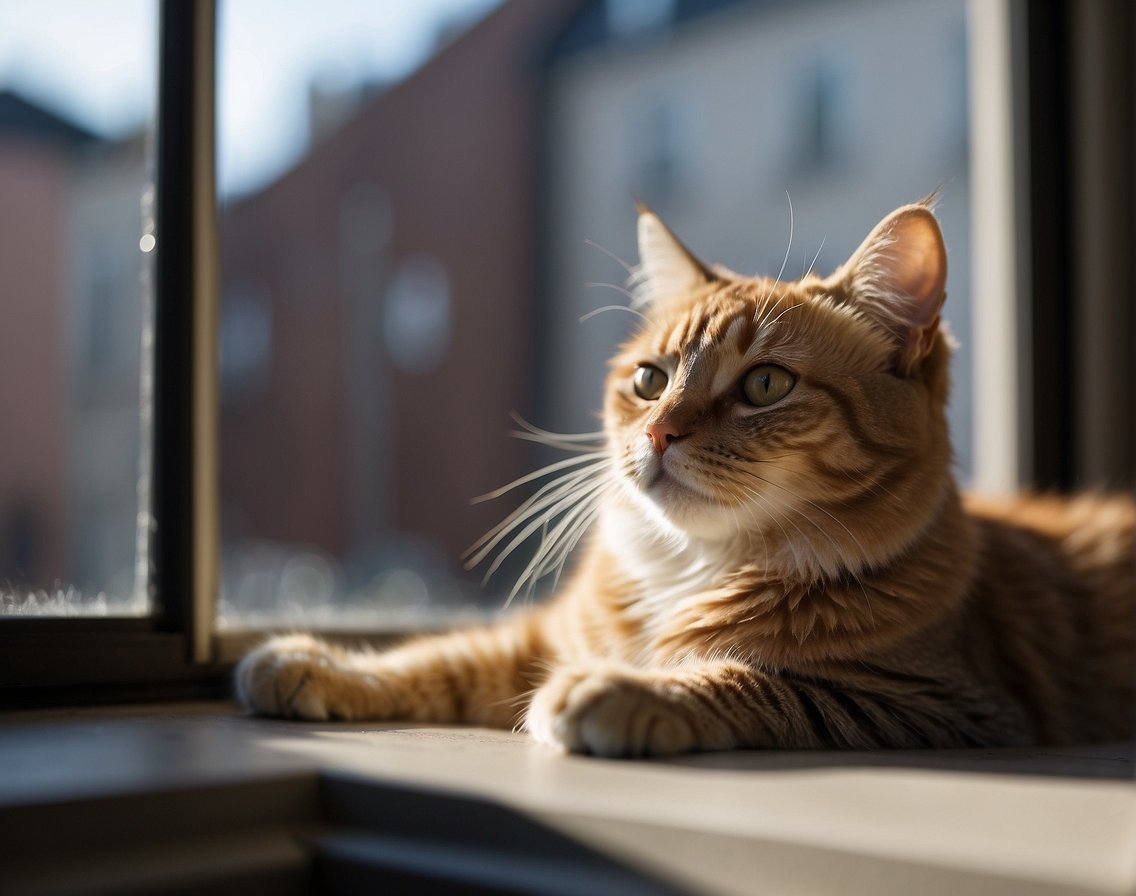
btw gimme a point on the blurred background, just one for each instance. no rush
(421, 204)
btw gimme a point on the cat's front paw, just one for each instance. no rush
(298, 676)
(610, 712)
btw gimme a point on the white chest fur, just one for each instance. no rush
(669, 568)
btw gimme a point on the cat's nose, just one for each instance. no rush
(661, 435)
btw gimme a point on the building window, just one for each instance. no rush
(630, 19)
(418, 325)
(245, 341)
(661, 144)
(823, 127)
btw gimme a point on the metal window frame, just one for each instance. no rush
(1080, 85)
(171, 652)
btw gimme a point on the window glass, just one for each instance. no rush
(76, 109)
(376, 267)
(417, 198)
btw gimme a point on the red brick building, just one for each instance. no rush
(36, 161)
(379, 310)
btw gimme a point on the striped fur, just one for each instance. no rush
(800, 575)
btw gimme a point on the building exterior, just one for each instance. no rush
(378, 312)
(70, 334)
(107, 306)
(36, 149)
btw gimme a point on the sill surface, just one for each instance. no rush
(1001, 821)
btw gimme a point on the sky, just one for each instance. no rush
(94, 62)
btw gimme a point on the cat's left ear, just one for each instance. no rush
(667, 271)
(898, 278)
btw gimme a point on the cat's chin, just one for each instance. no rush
(666, 489)
(666, 494)
(682, 507)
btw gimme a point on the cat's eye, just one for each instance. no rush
(767, 384)
(649, 382)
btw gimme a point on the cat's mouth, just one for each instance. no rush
(665, 485)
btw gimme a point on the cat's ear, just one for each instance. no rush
(898, 278)
(667, 271)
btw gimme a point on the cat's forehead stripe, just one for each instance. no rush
(731, 327)
(732, 322)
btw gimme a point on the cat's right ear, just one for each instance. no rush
(898, 279)
(667, 271)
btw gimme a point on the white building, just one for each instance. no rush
(105, 309)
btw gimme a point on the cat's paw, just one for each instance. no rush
(298, 676)
(610, 712)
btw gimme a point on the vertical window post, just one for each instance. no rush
(186, 275)
(999, 278)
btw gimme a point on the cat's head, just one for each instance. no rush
(808, 413)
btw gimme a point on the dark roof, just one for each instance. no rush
(591, 26)
(22, 118)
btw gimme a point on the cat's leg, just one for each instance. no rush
(617, 710)
(480, 676)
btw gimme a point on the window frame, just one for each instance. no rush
(177, 651)
(170, 652)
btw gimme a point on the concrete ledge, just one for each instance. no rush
(1005, 822)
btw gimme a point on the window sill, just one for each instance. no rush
(152, 794)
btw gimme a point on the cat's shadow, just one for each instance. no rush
(1112, 761)
(1107, 761)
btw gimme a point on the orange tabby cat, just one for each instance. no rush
(778, 555)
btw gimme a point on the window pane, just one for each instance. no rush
(408, 236)
(365, 272)
(76, 104)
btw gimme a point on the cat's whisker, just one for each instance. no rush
(771, 310)
(812, 264)
(544, 497)
(542, 564)
(765, 324)
(603, 308)
(533, 572)
(789, 248)
(550, 493)
(557, 555)
(535, 505)
(590, 457)
(600, 284)
(630, 268)
(555, 439)
(551, 553)
(526, 531)
(574, 539)
(554, 510)
(536, 567)
(577, 447)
